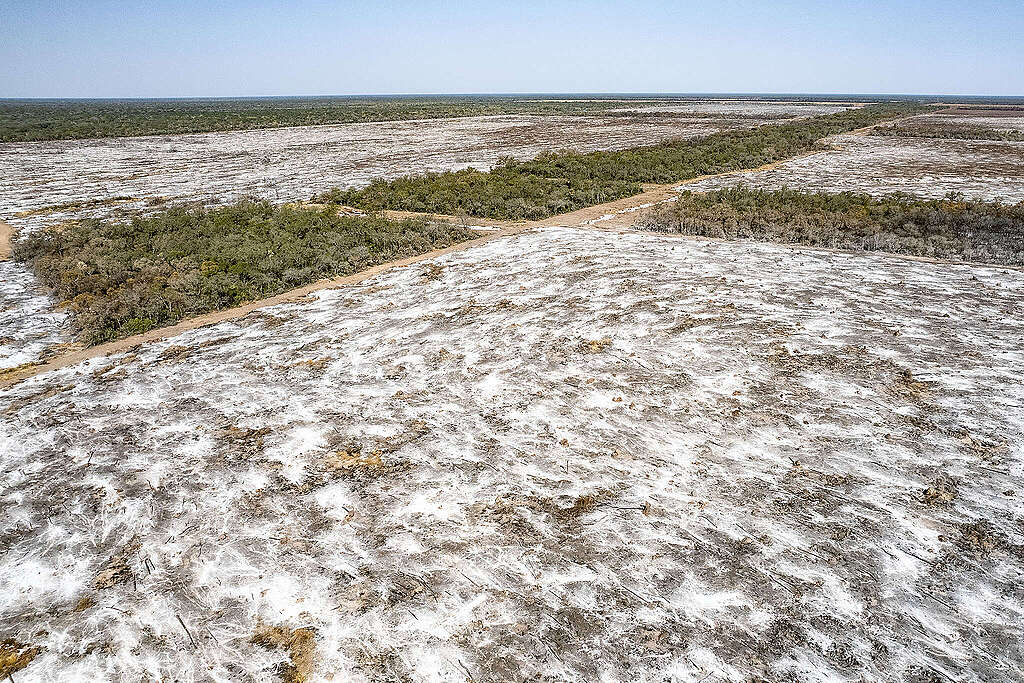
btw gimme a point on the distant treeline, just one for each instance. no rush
(951, 228)
(25, 120)
(119, 279)
(34, 120)
(557, 182)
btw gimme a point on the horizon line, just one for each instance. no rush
(576, 94)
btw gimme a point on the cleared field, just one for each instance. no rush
(1012, 121)
(564, 455)
(922, 166)
(29, 325)
(880, 165)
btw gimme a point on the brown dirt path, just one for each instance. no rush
(622, 212)
(6, 234)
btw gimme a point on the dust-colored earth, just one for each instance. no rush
(562, 455)
(44, 183)
(6, 234)
(978, 169)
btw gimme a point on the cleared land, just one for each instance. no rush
(559, 182)
(564, 454)
(49, 183)
(923, 164)
(44, 183)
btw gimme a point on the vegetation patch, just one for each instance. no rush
(122, 278)
(299, 643)
(28, 120)
(557, 182)
(951, 228)
(15, 656)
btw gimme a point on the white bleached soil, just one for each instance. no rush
(567, 455)
(45, 183)
(879, 165)
(29, 325)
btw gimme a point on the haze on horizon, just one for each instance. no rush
(194, 49)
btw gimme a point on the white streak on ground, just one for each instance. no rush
(28, 323)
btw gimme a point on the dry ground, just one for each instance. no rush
(564, 455)
(978, 169)
(43, 183)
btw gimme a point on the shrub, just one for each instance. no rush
(557, 182)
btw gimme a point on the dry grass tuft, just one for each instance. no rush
(942, 491)
(117, 568)
(84, 604)
(313, 363)
(433, 271)
(15, 656)
(300, 644)
(353, 461)
(594, 345)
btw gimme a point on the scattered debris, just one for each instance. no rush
(594, 345)
(433, 271)
(118, 568)
(941, 491)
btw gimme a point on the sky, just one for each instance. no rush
(200, 48)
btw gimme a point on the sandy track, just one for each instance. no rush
(6, 233)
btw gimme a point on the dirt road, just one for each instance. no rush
(6, 233)
(614, 215)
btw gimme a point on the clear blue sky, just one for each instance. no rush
(100, 48)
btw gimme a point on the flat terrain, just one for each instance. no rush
(980, 169)
(560, 455)
(45, 183)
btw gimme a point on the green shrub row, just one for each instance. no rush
(949, 131)
(119, 279)
(557, 182)
(32, 120)
(951, 228)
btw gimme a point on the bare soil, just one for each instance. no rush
(556, 455)
(6, 234)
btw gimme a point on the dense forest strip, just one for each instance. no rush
(950, 229)
(120, 279)
(560, 182)
(942, 130)
(37, 120)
